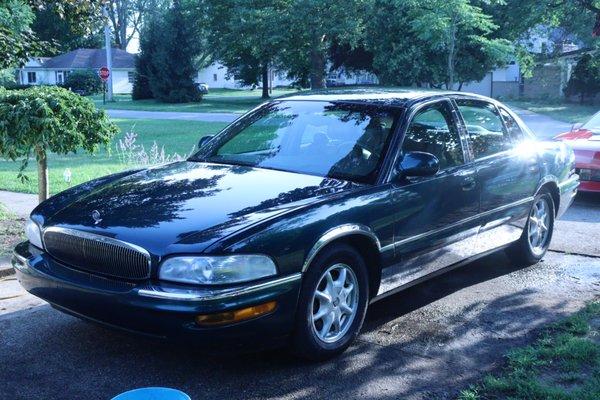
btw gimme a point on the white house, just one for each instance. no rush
(54, 70)
(215, 76)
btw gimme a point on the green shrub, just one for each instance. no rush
(585, 79)
(8, 78)
(84, 82)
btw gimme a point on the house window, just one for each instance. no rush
(130, 76)
(215, 77)
(31, 77)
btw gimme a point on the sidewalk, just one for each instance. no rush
(19, 203)
(185, 116)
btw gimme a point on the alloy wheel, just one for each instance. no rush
(539, 225)
(334, 303)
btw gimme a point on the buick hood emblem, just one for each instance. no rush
(96, 217)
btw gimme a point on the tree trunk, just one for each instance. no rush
(42, 167)
(265, 80)
(317, 70)
(451, 54)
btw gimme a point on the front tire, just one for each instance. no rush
(332, 305)
(537, 234)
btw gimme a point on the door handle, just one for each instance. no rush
(468, 184)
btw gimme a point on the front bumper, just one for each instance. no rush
(160, 309)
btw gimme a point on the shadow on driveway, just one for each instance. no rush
(425, 342)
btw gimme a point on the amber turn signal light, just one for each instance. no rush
(230, 317)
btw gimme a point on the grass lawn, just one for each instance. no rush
(567, 112)
(564, 364)
(176, 137)
(11, 231)
(218, 100)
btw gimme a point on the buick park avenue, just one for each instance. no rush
(286, 225)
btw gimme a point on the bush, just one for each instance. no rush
(8, 78)
(585, 79)
(84, 82)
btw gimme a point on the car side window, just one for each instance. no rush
(514, 130)
(432, 130)
(485, 128)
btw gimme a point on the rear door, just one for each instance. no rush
(507, 166)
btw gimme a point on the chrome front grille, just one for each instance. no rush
(97, 254)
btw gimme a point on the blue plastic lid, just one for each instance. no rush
(153, 393)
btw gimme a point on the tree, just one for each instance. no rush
(171, 47)
(18, 42)
(126, 18)
(450, 26)
(399, 56)
(45, 119)
(585, 79)
(246, 37)
(437, 42)
(311, 28)
(62, 35)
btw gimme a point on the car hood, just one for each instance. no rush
(187, 206)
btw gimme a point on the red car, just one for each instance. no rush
(585, 141)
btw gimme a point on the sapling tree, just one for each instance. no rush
(40, 120)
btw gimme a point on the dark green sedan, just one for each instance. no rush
(285, 226)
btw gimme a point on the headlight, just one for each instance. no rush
(217, 270)
(33, 233)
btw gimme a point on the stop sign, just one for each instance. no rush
(104, 73)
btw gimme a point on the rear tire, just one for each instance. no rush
(332, 305)
(537, 234)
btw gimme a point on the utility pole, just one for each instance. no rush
(108, 46)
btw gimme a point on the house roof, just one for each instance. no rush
(91, 58)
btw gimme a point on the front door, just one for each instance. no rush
(434, 216)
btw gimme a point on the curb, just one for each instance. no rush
(6, 271)
(6, 268)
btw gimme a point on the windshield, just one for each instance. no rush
(593, 124)
(333, 139)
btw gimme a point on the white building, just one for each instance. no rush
(215, 76)
(54, 70)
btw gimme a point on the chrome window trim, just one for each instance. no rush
(96, 237)
(336, 233)
(220, 294)
(409, 116)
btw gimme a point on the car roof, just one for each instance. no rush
(380, 96)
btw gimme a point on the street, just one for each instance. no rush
(426, 342)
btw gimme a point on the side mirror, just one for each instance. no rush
(203, 140)
(576, 126)
(418, 163)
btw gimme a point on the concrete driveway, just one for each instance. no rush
(424, 343)
(543, 126)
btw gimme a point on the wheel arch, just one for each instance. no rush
(551, 186)
(363, 239)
